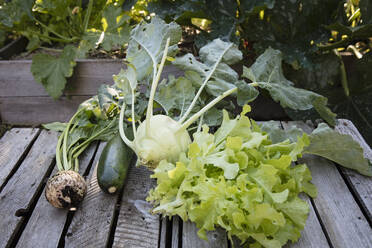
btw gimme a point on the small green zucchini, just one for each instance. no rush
(113, 165)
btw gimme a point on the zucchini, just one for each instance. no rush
(113, 165)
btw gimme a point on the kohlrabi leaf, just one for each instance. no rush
(147, 43)
(52, 71)
(221, 182)
(175, 95)
(268, 74)
(246, 92)
(126, 79)
(215, 59)
(340, 148)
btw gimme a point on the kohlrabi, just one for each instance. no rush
(159, 137)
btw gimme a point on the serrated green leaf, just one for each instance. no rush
(52, 71)
(339, 148)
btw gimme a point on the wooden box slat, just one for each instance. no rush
(22, 189)
(47, 220)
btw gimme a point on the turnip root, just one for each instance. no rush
(66, 189)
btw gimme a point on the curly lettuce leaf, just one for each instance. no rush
(239, 180)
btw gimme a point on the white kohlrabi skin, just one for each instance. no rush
(166, 140)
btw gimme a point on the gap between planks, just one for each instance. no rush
(14, 147)
(24, 188)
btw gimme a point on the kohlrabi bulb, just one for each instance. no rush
(165, 140)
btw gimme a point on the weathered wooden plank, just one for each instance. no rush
(47, 220)
(176, 222)
(340, 214)
(136, 226)
(90, 226)
(13, 146)
(22, 189)
(312, 236)
(163, 233)
(16, 79)
(190, 239)
(362, 185)
(36, 110)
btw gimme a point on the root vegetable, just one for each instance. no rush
(66, 189)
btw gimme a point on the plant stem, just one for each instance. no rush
(58, 152)
(121, 129)
(64, 149)
(80, 148)
(340, 43)
(154, 86)
(76, 168)
(193, 118)
(52, 49)
(87, 16)
(133, 121)
(53, 32)
(203, 85)
(48, 37)
(344, 81)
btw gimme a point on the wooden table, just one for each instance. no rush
(340, 215)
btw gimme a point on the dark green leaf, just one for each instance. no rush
(246, 93)
(52, 71)
(268, 74)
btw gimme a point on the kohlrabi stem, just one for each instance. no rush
(133, 121)
(66, 132)
(200, 123)
(193, 118)
(121, 129)
(183, 118)
(154, 86)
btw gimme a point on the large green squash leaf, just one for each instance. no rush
(52, 71)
